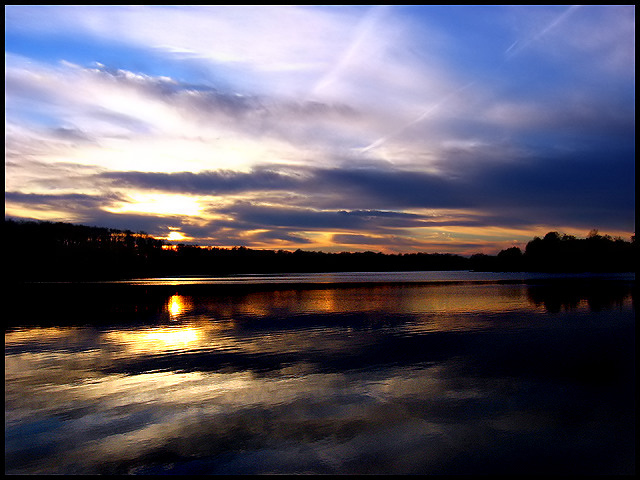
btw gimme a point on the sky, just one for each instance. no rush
(450, 129)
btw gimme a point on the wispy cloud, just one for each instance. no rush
(323, 124)
(516, 47)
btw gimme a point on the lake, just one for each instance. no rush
(347, 373)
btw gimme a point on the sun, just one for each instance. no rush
(176, 236)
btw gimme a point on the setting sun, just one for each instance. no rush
(175, 236)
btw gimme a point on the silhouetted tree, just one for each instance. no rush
(481, 262)
(596, 253)
(61, 251)
(510, 260)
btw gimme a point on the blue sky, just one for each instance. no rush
(457, 129)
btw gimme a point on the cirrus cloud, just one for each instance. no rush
(322, 125)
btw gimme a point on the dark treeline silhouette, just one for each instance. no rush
(61, 251)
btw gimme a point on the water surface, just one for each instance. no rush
(366, 373)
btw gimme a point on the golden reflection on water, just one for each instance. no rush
(292, 370)
(156, 340)
(41, 334)
(445, 299)
(458, 299)
(178, 305)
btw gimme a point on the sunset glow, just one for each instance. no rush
(458, 129)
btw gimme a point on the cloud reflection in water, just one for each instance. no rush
(446, 379)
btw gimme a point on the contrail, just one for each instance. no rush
(512, 50)
(515, 48)
(418, 119)
(365, 27)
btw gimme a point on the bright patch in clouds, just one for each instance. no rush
(393, 128)
(158, 204)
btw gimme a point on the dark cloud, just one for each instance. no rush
(205, 183)
(599, 185)
(358, 239)
(280, 235)
(72, 202)
(364, 205)
(403, 243)
(595, 187)
(71, 134)
(394, 189)
(260, 216)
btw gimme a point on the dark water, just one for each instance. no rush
(454, 375)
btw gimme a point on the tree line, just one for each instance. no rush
(38, 250)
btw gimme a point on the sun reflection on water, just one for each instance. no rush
(324, 374)
(156, 340)
(177, 305)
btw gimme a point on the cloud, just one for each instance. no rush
(381, 122)
(128, 114)
(313, 219)
(207, 182)
(595, 38)
(294, 43)
(518, 46)
(404, 244)
(326, 54)
(554, 181)
(78, 200)
(87, 210)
